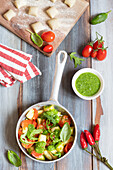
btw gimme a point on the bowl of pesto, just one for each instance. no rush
(87, 83)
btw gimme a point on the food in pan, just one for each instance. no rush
(46, 134)
(9, 15)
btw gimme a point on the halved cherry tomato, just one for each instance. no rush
(36, 155)
(68, 147)
(35, 116)
(40, 126)
(48, 36)
(34, 123)
(64, 119)
(48, 48)
(26, 146)
(101, 54)
(20, 132)
(93, 54)
(98, 44)
(25, 123)
(87, 51)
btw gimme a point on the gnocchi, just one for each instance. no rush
(9, 15)
(52, 12)
(20, 3)
(53, 23)
(33, 10)
(37, 26)
(70, 3)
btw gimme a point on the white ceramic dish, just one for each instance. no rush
(85, 70)
(52, 101)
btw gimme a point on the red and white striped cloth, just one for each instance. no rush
(15, 65)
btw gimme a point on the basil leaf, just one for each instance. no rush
(36, 38)
(34, 132)
(40, 146)
(14, 158)
(65, 132)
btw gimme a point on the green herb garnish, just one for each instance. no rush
(77, 60)
(40, 146)
(36, 38)
(65, 132)
(14, 158)
(100, 18)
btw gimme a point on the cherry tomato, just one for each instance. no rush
(93, 54)
(36, 155)
(25, 123)
(34, 123)
(64, 119)
(68, 147)
(98, 44)
(40, 127)
(87, 51)
(26, 146)
(20, 132)
(48, 48)
(48, 36)
(101, 54)
(35, 116)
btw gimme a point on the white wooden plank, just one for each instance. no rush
(105, 68)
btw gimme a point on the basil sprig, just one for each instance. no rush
(14, 158)
(32, 131)
(30, 134)
(65, 132)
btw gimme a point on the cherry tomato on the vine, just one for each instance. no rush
(101, 54)
(98, 44)
(87, 51)
(48, 36)
(93, 54)
(48, 48)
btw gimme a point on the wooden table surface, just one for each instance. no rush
(14, 100)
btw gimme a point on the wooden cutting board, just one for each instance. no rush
(18, 25)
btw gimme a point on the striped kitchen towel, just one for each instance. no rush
(15, 65)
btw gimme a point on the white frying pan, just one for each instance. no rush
(52, 101)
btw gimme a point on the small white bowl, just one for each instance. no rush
(85, 70)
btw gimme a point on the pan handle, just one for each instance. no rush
(59, 68)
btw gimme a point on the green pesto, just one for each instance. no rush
(87, 84)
